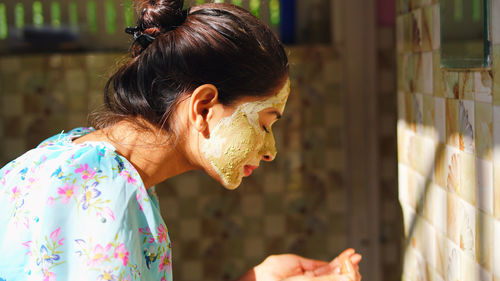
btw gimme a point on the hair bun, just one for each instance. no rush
(162, 14)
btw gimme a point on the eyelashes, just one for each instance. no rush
(266, 129)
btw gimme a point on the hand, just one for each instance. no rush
(293, 267)
(345, 267)
(348, 273)
(335, 266)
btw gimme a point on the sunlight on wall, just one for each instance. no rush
(449, 152)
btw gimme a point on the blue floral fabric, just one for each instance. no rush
(79, 212)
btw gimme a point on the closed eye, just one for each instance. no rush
(265, 129)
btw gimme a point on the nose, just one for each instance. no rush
(268, 151)
(268, 157)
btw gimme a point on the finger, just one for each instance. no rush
(335, 262)
(323, 270)
(356, 258)
(311, 265)
(347, 253)
(347, 266)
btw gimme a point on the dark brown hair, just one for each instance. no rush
(217, 44)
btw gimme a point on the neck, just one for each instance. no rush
(155, 154)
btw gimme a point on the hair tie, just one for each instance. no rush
(139, 36)
(145, 39)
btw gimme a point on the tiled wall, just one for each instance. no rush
(295, 204)
(449, 153)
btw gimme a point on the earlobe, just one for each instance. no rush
(201, 106)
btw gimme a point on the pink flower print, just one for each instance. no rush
(162, 233)
(109, 213)
(140, 195)
(66, 192)
(99, 256)
(163, 279)
(122, 253)
(16, 193)
(26, 221)
(144, 230)
(61, 241)
(50, 201)
(27, 244)
(128, 176)
(55, 234)
(165, 262)
(85, 171)
(48, 276)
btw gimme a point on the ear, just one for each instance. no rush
(201, 107)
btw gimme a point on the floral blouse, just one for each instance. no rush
(79, 212)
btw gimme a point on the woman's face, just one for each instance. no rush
(240, 141)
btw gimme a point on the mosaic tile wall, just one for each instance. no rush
(449, 153)
(295, 204)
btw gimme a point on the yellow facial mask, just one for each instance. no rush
(240, 140)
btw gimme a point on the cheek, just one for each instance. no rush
(243, 144)
(233, 144)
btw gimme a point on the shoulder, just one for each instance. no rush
(90, 178)
(95, 209)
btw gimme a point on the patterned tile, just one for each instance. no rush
(484, 130)
(496, 248)
(483, 82)
(496, 163)
(452, 133)
(427, 73)
(436, 26)
(496, 73)
(484, 181)
(466, 125)
(427, 28)
(495, 24)
(484, 240)
(466, 85)
(467, 188)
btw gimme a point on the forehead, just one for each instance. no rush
(277, 101)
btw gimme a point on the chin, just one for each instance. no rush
(220, 179)
(231, 186)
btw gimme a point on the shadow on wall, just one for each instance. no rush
(445, 147)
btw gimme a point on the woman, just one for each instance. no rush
(201, 91)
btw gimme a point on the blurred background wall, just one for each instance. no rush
(334, 182)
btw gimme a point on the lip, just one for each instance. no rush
(248, 169)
